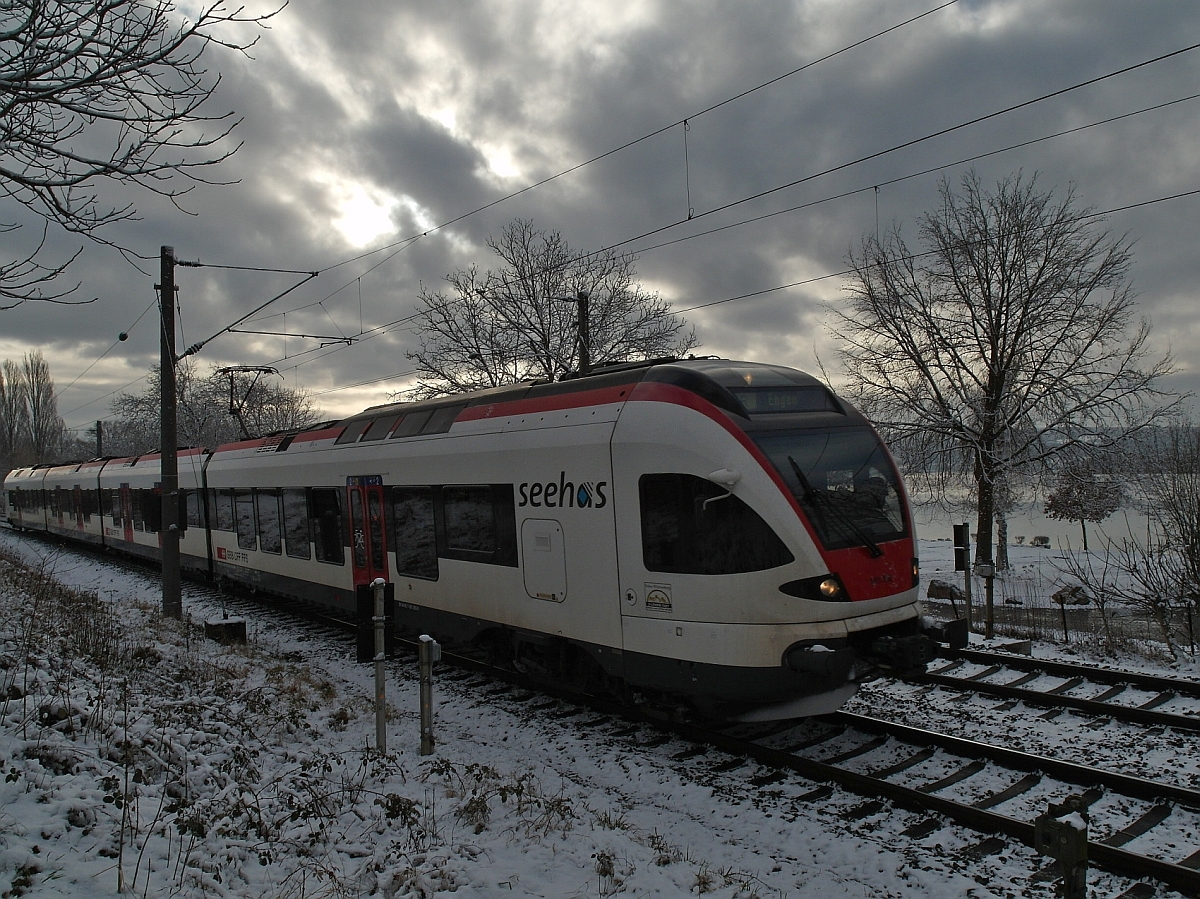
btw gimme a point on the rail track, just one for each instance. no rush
(990, 789)
(1140, 828)
(1144, 699)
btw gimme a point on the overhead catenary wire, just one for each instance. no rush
(649, 135)
(406, 242)
(811, 280)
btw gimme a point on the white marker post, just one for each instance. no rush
(429, 652)
(380, 682)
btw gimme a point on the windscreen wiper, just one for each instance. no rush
(823, 502)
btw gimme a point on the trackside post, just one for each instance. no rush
(377, 586)
(429, 652)
(1062, 833)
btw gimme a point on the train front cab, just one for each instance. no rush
(721, 562)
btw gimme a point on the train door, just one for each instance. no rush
(368, 542)
(127, 512)
(77, 506)
(545, 559)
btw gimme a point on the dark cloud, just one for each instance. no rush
(364, 123)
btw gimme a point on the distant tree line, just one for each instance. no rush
(204, 410)
(31, 430)
(33, 433)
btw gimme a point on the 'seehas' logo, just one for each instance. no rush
(560, 493)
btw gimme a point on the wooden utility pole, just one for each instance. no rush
(172, 596)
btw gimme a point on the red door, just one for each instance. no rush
(368, 541)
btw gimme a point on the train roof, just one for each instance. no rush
(719, 381)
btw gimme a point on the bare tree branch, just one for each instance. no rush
(510, 325)
(102, 91)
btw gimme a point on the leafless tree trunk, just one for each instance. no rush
(1002, 345)
(14, 414)
(510, 325)
(46, 428)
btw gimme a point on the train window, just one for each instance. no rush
(152, 510)
(270, 539)
(683, 535)
(470, 519)
(222, 501)
(413, 532)
(135, 503)
(327, 521)
(842, 479)
(412, 424)
(353, 431)
(479, 524)
(194, 504)
(441, 419)
(295, 523)
(359, 541)
(380, 427)
(243, 518)
(91, 504)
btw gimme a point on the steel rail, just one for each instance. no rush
(1148, 717)
(1111, 858)
(1072, 772)
(1069, 669)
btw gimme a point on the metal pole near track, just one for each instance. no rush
(172, 593)
(380, 680)
(429, 652)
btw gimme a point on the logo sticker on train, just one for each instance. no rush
(563, 493)
(235, 556)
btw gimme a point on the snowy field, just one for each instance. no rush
(140, 757)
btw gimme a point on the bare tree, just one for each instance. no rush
(95, 91)
(14, 414)
(1002, 345)
(46, 428)
(509, 325)
(204, 416)
(1169, 472)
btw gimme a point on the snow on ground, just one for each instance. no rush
(138, 755)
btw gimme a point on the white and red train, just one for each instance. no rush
(727, 533)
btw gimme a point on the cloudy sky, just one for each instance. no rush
(369, 122)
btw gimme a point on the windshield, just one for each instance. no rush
(843, 480)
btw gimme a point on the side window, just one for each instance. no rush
(135, 501)
(270, 539)
(195, 508)
(222, 502)
(479, 524)
(359, 540)
(413, 533)
(470, 519)
(327, 525)
(683, 535)
(295, 523)
(152, 510)
(243, 513)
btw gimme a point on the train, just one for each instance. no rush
(727, 537)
